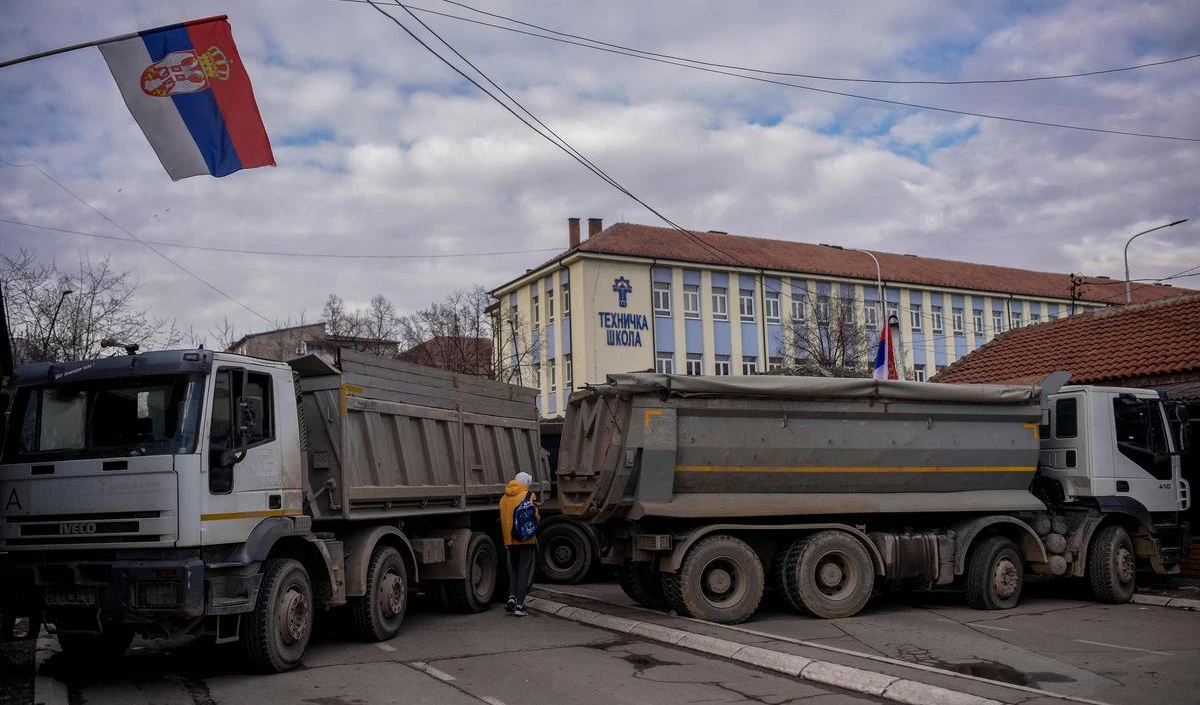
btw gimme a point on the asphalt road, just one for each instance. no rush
(1122, 654)
(445, 659)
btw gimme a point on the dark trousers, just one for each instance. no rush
(520, 570)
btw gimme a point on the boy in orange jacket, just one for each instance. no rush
(521, 553)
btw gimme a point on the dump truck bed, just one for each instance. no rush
(391, 439)
(651, 445)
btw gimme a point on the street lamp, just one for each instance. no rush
(1128, 291)
(54, 318)
(878, 279)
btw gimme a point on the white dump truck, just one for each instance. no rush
(197, 492)
(707, 491)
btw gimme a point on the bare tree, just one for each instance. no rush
(60, 315)
(517, 354)
(337, 321)
(829, 340)
(226, 335)
(454, 334)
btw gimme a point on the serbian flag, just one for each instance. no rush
(189, 91)
(885, 358)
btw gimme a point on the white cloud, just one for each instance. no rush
(382, 150)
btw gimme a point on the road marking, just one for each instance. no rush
(440, 675)
(490, 700)
(385, 647)
(1125, 648)
(986, 626)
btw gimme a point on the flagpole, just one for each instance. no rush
(98, 42)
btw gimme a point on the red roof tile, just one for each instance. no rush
(805, 258)
(1158, 338)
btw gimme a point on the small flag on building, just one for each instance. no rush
(885, 358)
(189, 91)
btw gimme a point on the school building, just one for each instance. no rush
(637, 298)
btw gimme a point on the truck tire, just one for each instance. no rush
(828, 574)
(276, 633)
(1112, 565)
(564, 553)
(721, 580)
(474, 592)
(995, 574)
(672, 595)
(642, 584)
(96, 650)
(378, 613)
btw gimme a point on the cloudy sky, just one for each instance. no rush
(383, 151)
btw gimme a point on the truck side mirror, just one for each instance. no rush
(249, 419)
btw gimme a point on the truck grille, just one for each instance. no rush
(92, 528)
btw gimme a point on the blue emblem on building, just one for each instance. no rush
(622, 286)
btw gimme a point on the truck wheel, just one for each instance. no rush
(276, 633)
(721, 580)
(95, 650)
(474, 592)
(379, 612)
(995, 575)
(564, 553)
(672, 595)
(642, 584)
(828, 575)
(1111, 565)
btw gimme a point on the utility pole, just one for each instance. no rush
(1076, 290)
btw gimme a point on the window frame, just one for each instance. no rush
(977, 320)
(722, 362)
(919, 374)
(915, 318)
(661, 299)
(691, 295)
(800, 309)
(959, 321)
(773, 300)
(749, 365)
(746, 302)
(694, 364)
(871, 315)
(936, 319)
(664, 363)
(720, 303)
(566, 301)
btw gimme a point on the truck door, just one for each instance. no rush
(1144, 467)
(243, 463)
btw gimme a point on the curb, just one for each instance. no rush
(1185, 603)
(858, 680)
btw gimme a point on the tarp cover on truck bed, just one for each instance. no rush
(769, 386)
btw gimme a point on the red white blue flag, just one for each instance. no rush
(189, 91)
(885, 357)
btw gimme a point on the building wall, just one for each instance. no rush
(599, 336)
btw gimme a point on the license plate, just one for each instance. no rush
(71, 597)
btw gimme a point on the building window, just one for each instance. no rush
(775, 364)
(550, 306)
(537, 375)
(691, 301)
(566, 296)
(919, 373)
(823, 307)
(746, 304)
(1035, 318)
(1016, 320)
(935, 317)
(537, 311)
(749, 365)
(550, 370)
(977, 320)
(915, 316)
(695, 364)
(664, 363)
(771, 308)
(662, 299)
(720, 304)
(960, 325)
(723, 365)
(569, 371)
(997, 322)
(893, 311)
(799, 302)
(871, 315)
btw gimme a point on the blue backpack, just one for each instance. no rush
(524, 519)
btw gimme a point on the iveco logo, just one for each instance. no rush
(70, 528)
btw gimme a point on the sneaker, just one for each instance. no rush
(520, 612)
(512, 604)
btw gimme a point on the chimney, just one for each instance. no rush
(595, 225)
(573, 229)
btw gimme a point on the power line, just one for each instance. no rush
(275, 253)
(556, 141)
(118, 226)
(819, 77)
(916, 106)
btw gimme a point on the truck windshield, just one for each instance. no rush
(153, 415)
